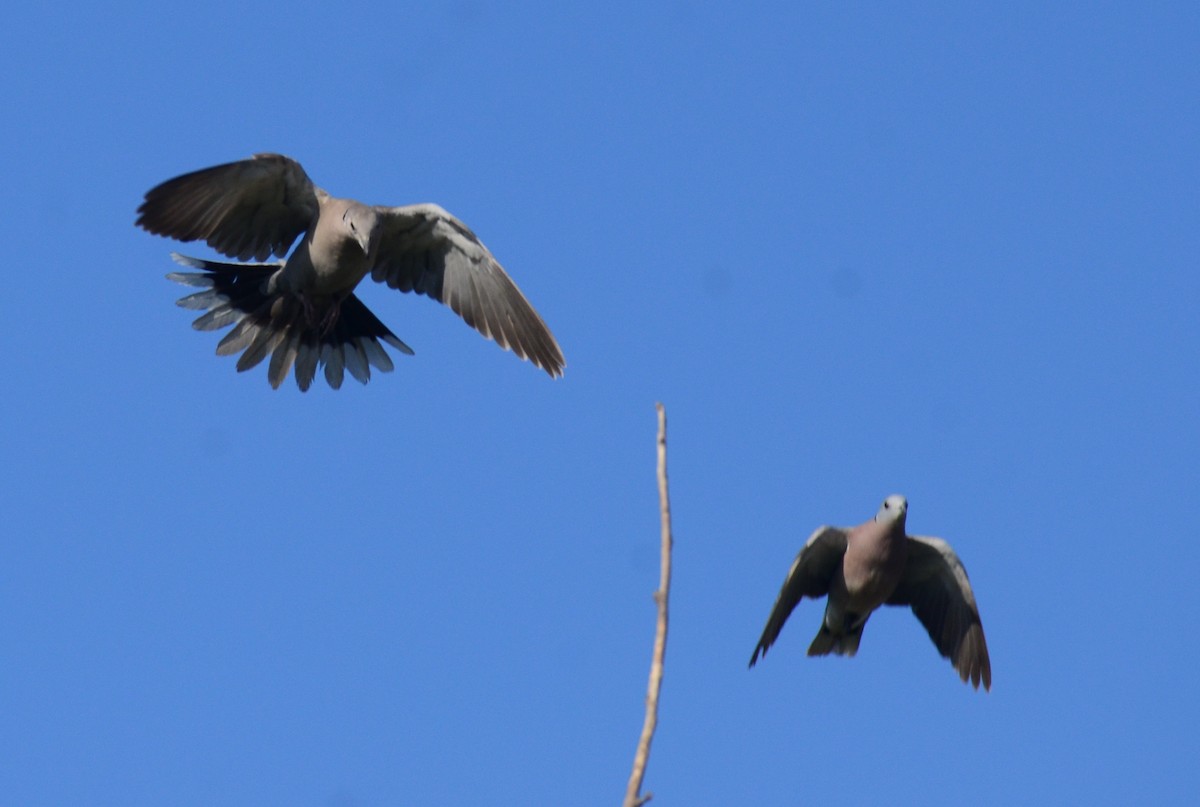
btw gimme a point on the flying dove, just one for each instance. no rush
(302, 311)
(874, 564)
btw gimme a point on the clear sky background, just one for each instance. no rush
(946, 250)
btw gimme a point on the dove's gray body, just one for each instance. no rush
(303, 310)
(874, 564)
(337, 250)
(871, 566)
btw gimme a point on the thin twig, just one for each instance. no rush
(633, 791)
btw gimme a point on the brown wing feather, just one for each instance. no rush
(247, 210)
(935, 585)
(426, 250)
(810, 576)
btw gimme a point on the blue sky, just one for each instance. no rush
(947, 250)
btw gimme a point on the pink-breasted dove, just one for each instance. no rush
(302, 311)
(877, 563)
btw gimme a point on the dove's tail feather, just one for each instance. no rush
(842, 644)
(344, 336)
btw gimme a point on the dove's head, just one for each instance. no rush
(894, 508)
(364, 224)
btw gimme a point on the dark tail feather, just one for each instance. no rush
(842, 644)
(279, 326)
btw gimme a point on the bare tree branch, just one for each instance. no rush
(633, 791)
